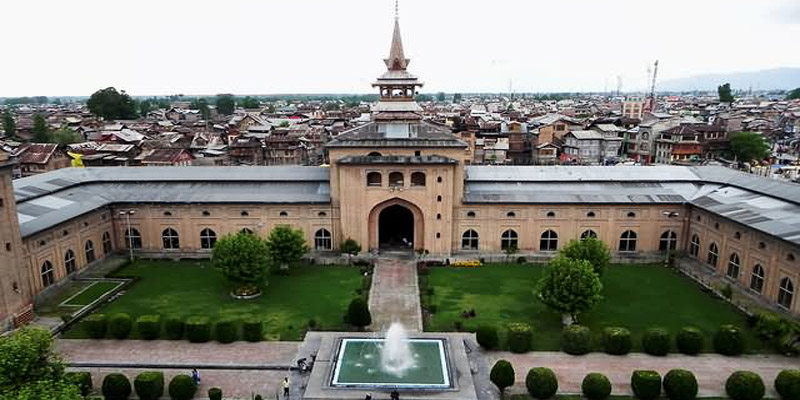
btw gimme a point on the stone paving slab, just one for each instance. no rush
(394, 295)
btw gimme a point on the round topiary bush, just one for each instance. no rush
(520, 335)
(253, 329)
(680, 384)
(617, 340)
(149, 326)
(181, 387)
(96, 325)
(173, 328)
(689, 340)
(226, 331)
(198, 329)
(729, 341)
(487, 337)
(787, 384)
(596, 386)
(541, 383)
(576, 340)
(502, 375)
(116, 387)
(149, 385)
(655, 342)
(745, 385)
(120, 325)
(646, 384)
(215, 394)
(83, 380)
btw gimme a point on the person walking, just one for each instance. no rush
(195, 376)
(286, 387)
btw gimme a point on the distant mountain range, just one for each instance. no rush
(766, 79)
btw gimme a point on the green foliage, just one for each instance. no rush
(727, 291)
(590, 249)
(782, 333)
(27, 357)
(569, 286)
(120, 325)
(45, 390)
(745, 385)
(729, 340)
(110, 104)
(350, 247)
(596, 386)
(286, 245)
(64, 136)
(202, 105)
(96, 325)
(656, 342)
(680, 384)
(793, 94)
(26, 100)
(520, 336)
(243, 258)
(226, 331)
(225, 104)
(182, 387)
(725, 95)
(617, 340)
(689, 340)
(253, 329)
(440, 96)
(358, 313)
(198, 329)
(787, 384)
(250, 102)
(9, 125)
(148, 326)
(82, 379)
(541, 383)
(149, 385)
(502, 375)
(173, 327)
(456, 97)
(40, 129)
(646, 384)
(487, 337)
(576, 340)
(749, 146)
(215, 394)
(116, 387)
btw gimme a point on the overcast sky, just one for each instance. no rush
(57, 47)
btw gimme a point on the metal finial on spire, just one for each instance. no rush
(396, 9)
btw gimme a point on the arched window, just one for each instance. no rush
(737, 235)
(88, 249)
(668, 241)
(551, 214)
(588, 234)
(762, 245)
(439, 198)
(470, 214)
(790, 257)
(133, 239)
(374, 154)
(694, 246)
(374, 179)
(322, 240)
(631, 214)
(548, 241)
(167, 213)
(322, 214)
(207, 238)
(439, 179)
(438, 216)
(206, 213)
(785, 293)
(246, 231)
(244, 214)
(590, 214)
(757, 279)
(69, 261)
(713, 255)
(733, 266)
(107, 246)
(47, 274)
(283, 214)
(417, 179)
(627, 241)
(170, 239)
(396, 179)
(716, 225)
(511, 214)
(469, 240)
(509, 240)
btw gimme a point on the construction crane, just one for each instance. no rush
(650, 103)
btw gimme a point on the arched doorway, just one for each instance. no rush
(396, 228)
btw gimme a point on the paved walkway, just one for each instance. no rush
(394, 296)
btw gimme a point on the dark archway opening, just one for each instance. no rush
(396, 228)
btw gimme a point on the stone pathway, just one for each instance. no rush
(394, 296)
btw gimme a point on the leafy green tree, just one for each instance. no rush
(145, 106)
(330, 106)
(350, 248)
(457, 98)
(725, 94)
(250, 102)
(65, 136)
(286, 245)
(9, 125)
(502, 375)
(358, 313)
(793, 94)
(40, 129)
(590, 249)
(110, 104)
(749, 146)
(569, 286)
(440, 96)
(225, 104)
(242, 257)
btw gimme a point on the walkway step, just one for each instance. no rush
(394, 296)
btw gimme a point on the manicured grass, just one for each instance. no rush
(91, 293)
(635, 296)
(189, 288)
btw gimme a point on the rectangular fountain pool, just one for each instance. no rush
(359, 365)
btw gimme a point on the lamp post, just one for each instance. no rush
(127, 214)
(669, 214)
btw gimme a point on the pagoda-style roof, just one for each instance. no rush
(405, 134)
(397, 160)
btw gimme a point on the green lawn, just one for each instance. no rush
(92, 293)
(188, 288)
(635, 296)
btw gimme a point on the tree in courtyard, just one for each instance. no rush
(225, 104)
(9, 125)
(111, 104)
(749, 146)
(510, 251)
(40, 129)
(569, 286)
(350, 248)
(30, 369)
(243, 258)
(725, 95)
(590, 249)
(286, 245)
(793, 94)
(502, 375)
(358, 313)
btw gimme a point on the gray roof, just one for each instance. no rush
(366, 160)
(397, 134)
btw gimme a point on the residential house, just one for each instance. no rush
(554, 126)
(582, 147)
(37, 158)
(166, 157)
(680, 144)
(546, 154)
(246, 150)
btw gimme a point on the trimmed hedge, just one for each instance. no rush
(541, 383)
(502, 375)
(689, 340)
(745, 385)
(655, 342)
(787, 384)
(149, 385)
(96, 325)
(253, 329)
(487, 337)
(198, 329)
(576, 340)
(729, 341)
(596, 386)
(226, 331)
(149, 326)
(215, 394)
(646, 384)
(116, 387)
(520, 336)
(174, 327)
(182, 387)
(81, 379)
(120, 325)
(680, 384)
(617, 340)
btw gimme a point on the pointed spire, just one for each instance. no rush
(397, 60)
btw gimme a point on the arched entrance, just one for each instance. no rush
(396, 228)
